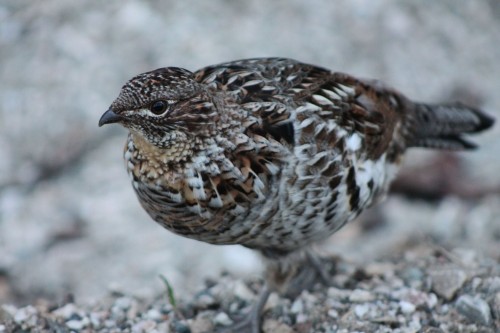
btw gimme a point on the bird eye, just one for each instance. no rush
(158, 107)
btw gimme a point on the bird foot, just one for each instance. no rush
(324, 267)
(314, 269)
(251, 323)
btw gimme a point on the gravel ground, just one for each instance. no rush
(421, 289)
(70, 226)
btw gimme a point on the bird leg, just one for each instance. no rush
(296, 272)
(323, 272)
(288, 275)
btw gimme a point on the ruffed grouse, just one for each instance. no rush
(272, 154)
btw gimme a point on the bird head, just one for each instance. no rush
(164, 106)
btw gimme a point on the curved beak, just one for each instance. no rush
(109, 117)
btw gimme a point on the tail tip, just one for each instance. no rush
(486, 121)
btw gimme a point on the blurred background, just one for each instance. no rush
(69, 220)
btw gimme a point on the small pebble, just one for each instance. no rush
(181, 327)
(274, 326)
(474, 308)
(302, 318)
(413, 276)
(222, 319)
(234, 307)
(297, 306)
(333, 313)
(338, 294)
(272, 301)
(24, 314)
(109, 323)
(203, 322)
(242, 291)
(496, 306)
(96, 319)
(467, 257)
(432, 300)
(205, 300)
(361, 310)
(154, 314)
(406, 307)
(66, 311)
(75, 324)
(476, 283)
(446, 281)
(361, 296)
(493, 284)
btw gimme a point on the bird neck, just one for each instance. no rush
(172, 156)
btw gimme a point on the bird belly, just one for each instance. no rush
(308, 202)
(313, 207)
